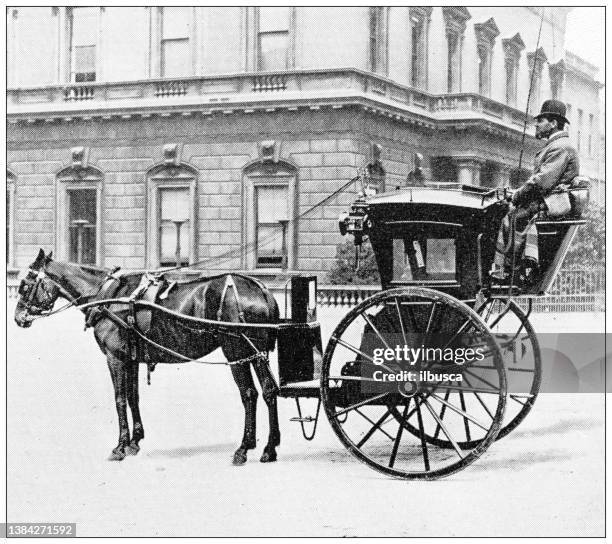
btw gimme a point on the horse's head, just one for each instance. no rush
(37, 292)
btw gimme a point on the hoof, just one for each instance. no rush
(132, 449)
(268, 457)
(240, 458)
(116, 455)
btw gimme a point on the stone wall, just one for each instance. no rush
(325, 147)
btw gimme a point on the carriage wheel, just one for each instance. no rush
(522, 358)
(381, 411)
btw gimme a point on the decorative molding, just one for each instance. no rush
(455, 18)
(540, 54)
(172, 154)
(80, 156)
(269, 151)
(486, 32)
(513, 46)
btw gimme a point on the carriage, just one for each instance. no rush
(418, 380)
(426, 417)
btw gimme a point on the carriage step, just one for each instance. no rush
(307, 419)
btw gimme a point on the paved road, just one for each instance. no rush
(544, 479)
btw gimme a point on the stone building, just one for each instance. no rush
(582, 92)
(232, 122)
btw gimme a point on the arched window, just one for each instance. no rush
(79, 212)
(171, 215)
(270, 204)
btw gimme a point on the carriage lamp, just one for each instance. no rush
(355, 222)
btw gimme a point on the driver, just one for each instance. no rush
(555, 164)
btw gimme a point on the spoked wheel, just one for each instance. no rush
(521, 354)
(413, 416)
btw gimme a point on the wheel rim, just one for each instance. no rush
(522, 358)
(376, 433)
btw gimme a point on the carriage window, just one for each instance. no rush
(82, 223)
(423, 258)
(174, 226)
(272, 222)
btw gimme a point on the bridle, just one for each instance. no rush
(37, 309)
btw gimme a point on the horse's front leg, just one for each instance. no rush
(248, 395)
(133, 400)
(119, 375)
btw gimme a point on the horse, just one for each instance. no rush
(246, 301)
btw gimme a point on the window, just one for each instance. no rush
(272, 222)
(557, 75)
(83, 40)
(273, 38)
(536, 62)
(424, 258)
(453, 62)
(579, 132)
(173, 226)
(175, 48)
(10, 218)
(511, 65)
(172, 198)
(591, 129)
(269, 199)
(485, 37)
(455, 19)
(378, 40)
(512, 51)
(82, 221)
(419, 17)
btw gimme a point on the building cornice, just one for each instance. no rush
(265, 93)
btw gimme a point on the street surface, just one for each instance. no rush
(544, 479)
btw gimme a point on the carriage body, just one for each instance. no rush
(445, 239)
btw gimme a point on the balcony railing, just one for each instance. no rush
(319, 87)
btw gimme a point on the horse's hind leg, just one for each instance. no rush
(248, 395)
(133, 400)
(270, 394)
(118, 373)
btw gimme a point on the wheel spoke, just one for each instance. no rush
(480, 400)
(359, 404)
(367, 319)
(461, 329)
(353, 349)
(486, 382)
(466, 422)
(509, 369)
(376, 426)
(422, 433)
(459, 411)
(401, 321)
(513, 397)
(444, 429)
(446, 395)
(471, 389)
(399, 436)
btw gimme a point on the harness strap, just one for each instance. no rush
(229, 283)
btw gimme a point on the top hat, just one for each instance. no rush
(553, 108)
